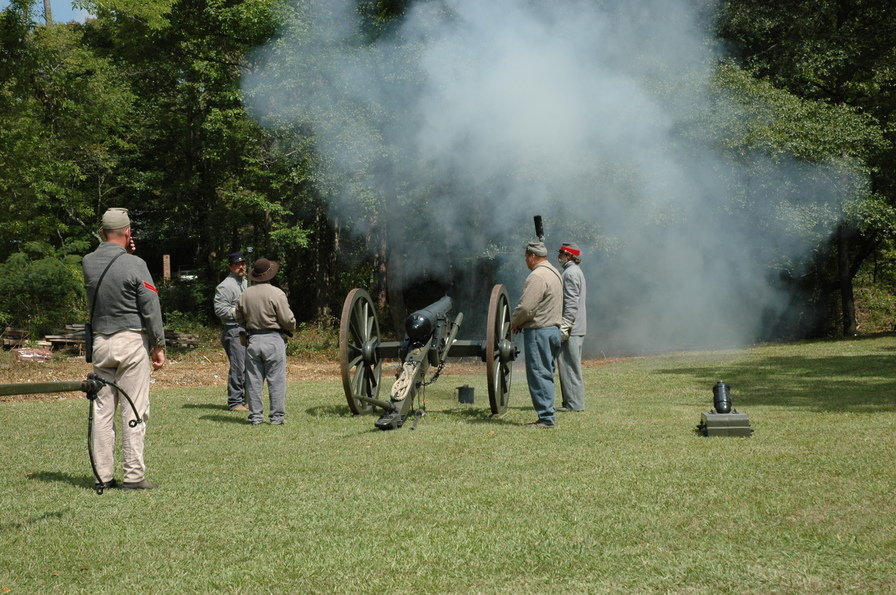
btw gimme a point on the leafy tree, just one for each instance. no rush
(839, 53)
(153, 13)
(64, 124)
(208, 180)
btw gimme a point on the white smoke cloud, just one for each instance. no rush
(586, 112)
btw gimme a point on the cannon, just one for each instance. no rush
(430, 339)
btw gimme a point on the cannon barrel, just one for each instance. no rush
(420, 325)
(44, 387)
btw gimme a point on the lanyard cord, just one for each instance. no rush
(96, 382)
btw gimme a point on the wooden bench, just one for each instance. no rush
(73, 335)
(13, 337)
(177, 339)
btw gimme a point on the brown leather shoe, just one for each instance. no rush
(241, 408)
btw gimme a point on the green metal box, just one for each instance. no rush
(725, 424)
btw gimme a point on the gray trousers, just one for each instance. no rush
(266, 359)
(236, 355)
(569, 363)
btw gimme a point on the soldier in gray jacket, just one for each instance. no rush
(129, 342)
(265, 313)
(226, 295)
(572, 329)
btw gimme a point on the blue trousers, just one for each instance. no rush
(542, 346)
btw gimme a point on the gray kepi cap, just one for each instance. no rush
(571, 248)
(537, 248)
(116, 218)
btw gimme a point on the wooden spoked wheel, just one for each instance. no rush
(359, 338)
(499, 350)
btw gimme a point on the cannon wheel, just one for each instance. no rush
(498, 348)
(359, 337)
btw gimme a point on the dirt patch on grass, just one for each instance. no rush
(203, 367)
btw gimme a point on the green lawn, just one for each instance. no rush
(625, 497)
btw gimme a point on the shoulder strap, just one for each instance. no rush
(555, 271)
(98, 283)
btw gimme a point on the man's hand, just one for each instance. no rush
(158, 358)
(565, 327)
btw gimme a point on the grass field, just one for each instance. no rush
(625, 497)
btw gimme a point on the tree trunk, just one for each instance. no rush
(390, 277)
(844, 278)
(327, 247)
(48, 13)
(394, 279)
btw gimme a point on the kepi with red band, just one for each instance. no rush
(571, 248)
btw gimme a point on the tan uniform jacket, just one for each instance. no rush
(541, 304)
(264, 306)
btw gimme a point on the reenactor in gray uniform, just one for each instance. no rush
(129, 342)
(226, 295)
(264, 312)
(572, 329)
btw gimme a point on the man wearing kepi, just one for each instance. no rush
(129, 342)
(264, 312)
(572, 329)
(538, 315)
(226, 295)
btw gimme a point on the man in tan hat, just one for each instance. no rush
(264, 312)
(129, 342)
(538, 315)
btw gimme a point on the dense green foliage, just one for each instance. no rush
(142, 107)
(41, 289)
(622, 498)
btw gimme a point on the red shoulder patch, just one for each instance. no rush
(150, 287)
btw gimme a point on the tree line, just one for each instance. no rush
(142, 107)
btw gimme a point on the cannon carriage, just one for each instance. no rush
(430, 339)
